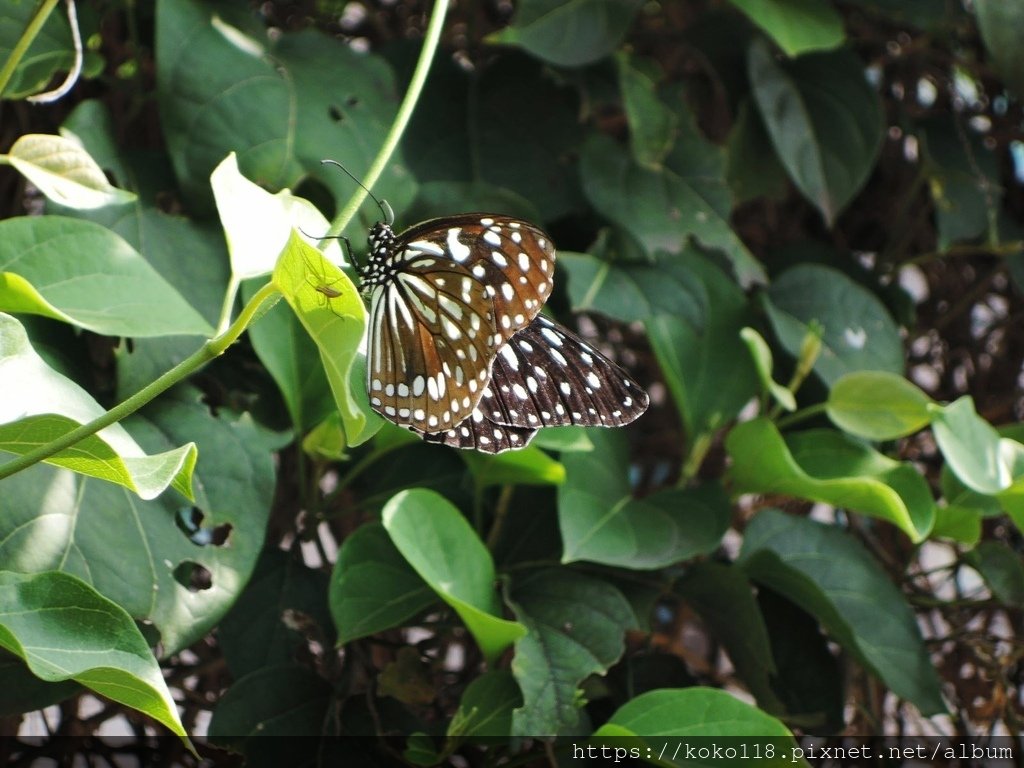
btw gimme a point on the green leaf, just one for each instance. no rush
(652, 125)
(258, 225)
(273, 716)
(697, 711)
(707, 368)
(753, 169)
(65, 630)
(50, 52)
(664, 208)
(631, 292)
(999, 21)
(761, 354)
(575, 628)
(1002, 569)
(282, 107)
(530, 466)
(63, 171)
(21, 691)
(84, 274)
(309, 283)
(565, 439)
(830, 575)
(724, 599)
(877, 405)
(256, 632)
(142, 554)
(601, 521)
(824, 120)
(958, 523)
(30, 392)
(832, 468)
(439, 544)
(486, 707)
(858, 333)
(798, 26)
(569, 33)
(964, 181)
(971, 446)
(372, 586)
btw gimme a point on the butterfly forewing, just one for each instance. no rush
(432, 342)
(512, 259)
(546, 376)
(444, 295)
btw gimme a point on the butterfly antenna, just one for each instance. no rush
(389, 215)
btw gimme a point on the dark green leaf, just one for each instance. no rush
(830, 575)
(569, 33)
(372, 587)
(601, 522)
(486, 708)
(859, 333)
(652, 125)
(1000, 21)
(575, 627)
(1002, 569)
(824, 120)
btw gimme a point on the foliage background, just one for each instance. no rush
(843, 180)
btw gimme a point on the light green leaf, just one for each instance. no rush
(798, 26)
(372, 587)
(761, 354)
(64, 172)
(575, 628)
(878, 405)
(84, 274)
(39, 405)
(824, 120)
(65, 630)
(831, 576)
(328, 306)
(257, 224)
(601, 522)
(530, 466)
(971, 446)
(840, 472)
(439, 544)
(143, 554)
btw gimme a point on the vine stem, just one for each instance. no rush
(35, 24)
(419, 76)
(266, 296)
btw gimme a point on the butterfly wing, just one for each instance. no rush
(432, 341)
(512, 259)
(449, 292)
(546, 376)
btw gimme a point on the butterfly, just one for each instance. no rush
(445, 296)
(458, 351)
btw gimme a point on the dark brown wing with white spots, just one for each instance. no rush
(432, 341)
(512, 259)
(546, 376)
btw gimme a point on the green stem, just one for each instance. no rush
(35, 24)
(211, 349)
(802, 415)
(419, 77)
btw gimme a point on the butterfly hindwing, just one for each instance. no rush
(545, 376)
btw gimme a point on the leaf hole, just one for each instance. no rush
(336, 114)
(193, 576)
(190, 522)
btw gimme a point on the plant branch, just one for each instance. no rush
(419, 77)
(215, 347)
